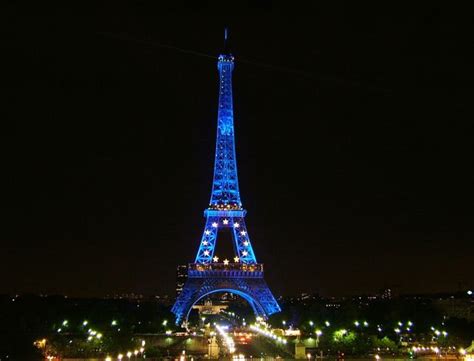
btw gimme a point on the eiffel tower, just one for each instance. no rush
(243, 276)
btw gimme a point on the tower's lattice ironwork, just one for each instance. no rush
(243, 276)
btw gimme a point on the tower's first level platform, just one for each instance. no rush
(216, 270)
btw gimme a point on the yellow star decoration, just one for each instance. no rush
(216, 259)
(226, 261)
(236, 259)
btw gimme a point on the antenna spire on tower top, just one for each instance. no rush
(226, 42)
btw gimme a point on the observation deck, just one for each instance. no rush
(222, 270)
(225, 210)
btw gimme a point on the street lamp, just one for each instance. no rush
(318, 333)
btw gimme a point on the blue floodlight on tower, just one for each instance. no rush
(245, 276)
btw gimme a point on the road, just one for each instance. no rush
(252, 345)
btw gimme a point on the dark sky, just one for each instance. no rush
(353, 131)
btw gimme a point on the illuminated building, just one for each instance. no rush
(181, 277)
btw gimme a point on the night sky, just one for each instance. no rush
(353, 132)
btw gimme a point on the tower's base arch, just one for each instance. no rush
(249, 285)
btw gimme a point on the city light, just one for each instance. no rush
(267, 333)
(228, 340)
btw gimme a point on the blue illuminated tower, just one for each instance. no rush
(242, 275)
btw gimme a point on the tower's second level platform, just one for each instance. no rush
(225, 212)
